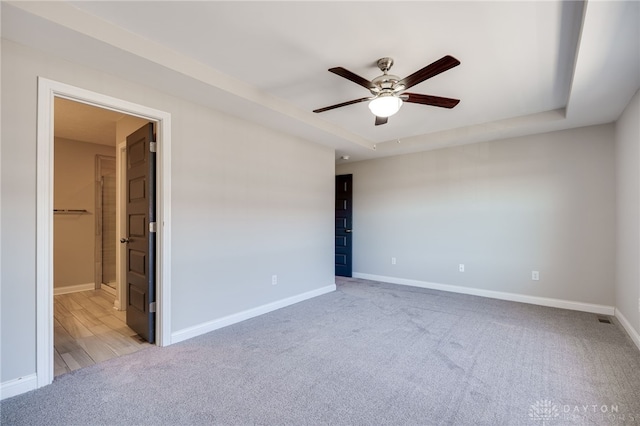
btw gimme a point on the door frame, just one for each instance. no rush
(99, 241)
(348, 235)
(48, 90)
(121, 230)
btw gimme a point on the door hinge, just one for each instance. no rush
(153, 226)
(153, 146)
(152, 307)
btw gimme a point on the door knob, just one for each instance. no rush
(348, 231)
(124, 240)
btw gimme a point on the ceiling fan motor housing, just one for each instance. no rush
(386, 83)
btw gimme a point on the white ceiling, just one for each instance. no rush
(526, 67)
(85, 123)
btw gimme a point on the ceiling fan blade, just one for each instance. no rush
(381, 120)
(438, 101)
(355, 101)
(353, 77)
(441, 65)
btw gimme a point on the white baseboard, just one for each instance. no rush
(108, 289)
(197, 330)
(632, 332)
(18, 386)
(513, 297)
(73, 288)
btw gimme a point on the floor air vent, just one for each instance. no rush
(604, 320)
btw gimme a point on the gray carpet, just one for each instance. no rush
(369, 353)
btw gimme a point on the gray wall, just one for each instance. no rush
(628, 212)
(502, 208)
(247, 202)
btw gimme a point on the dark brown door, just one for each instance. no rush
(141, 232)
(344, 213)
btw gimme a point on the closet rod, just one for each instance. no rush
(70, 211)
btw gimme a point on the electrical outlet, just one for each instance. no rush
(461, 267)
(274, 279)
(535, 275)
(393, 260)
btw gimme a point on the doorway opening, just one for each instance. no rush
(88, 327)
(48, 93)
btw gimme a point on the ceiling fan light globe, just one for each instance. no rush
(385, 106)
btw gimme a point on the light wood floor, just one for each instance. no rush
(87, 330)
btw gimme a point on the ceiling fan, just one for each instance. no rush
(388, 90)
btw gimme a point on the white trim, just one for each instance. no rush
(44, 233)
(1, 384)
(121, 274)
(513, 297)
(163, 218)
(47, 91)
(197, 330)
(635, 336)
(73, 288)
(18, 386)
(110, 290)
